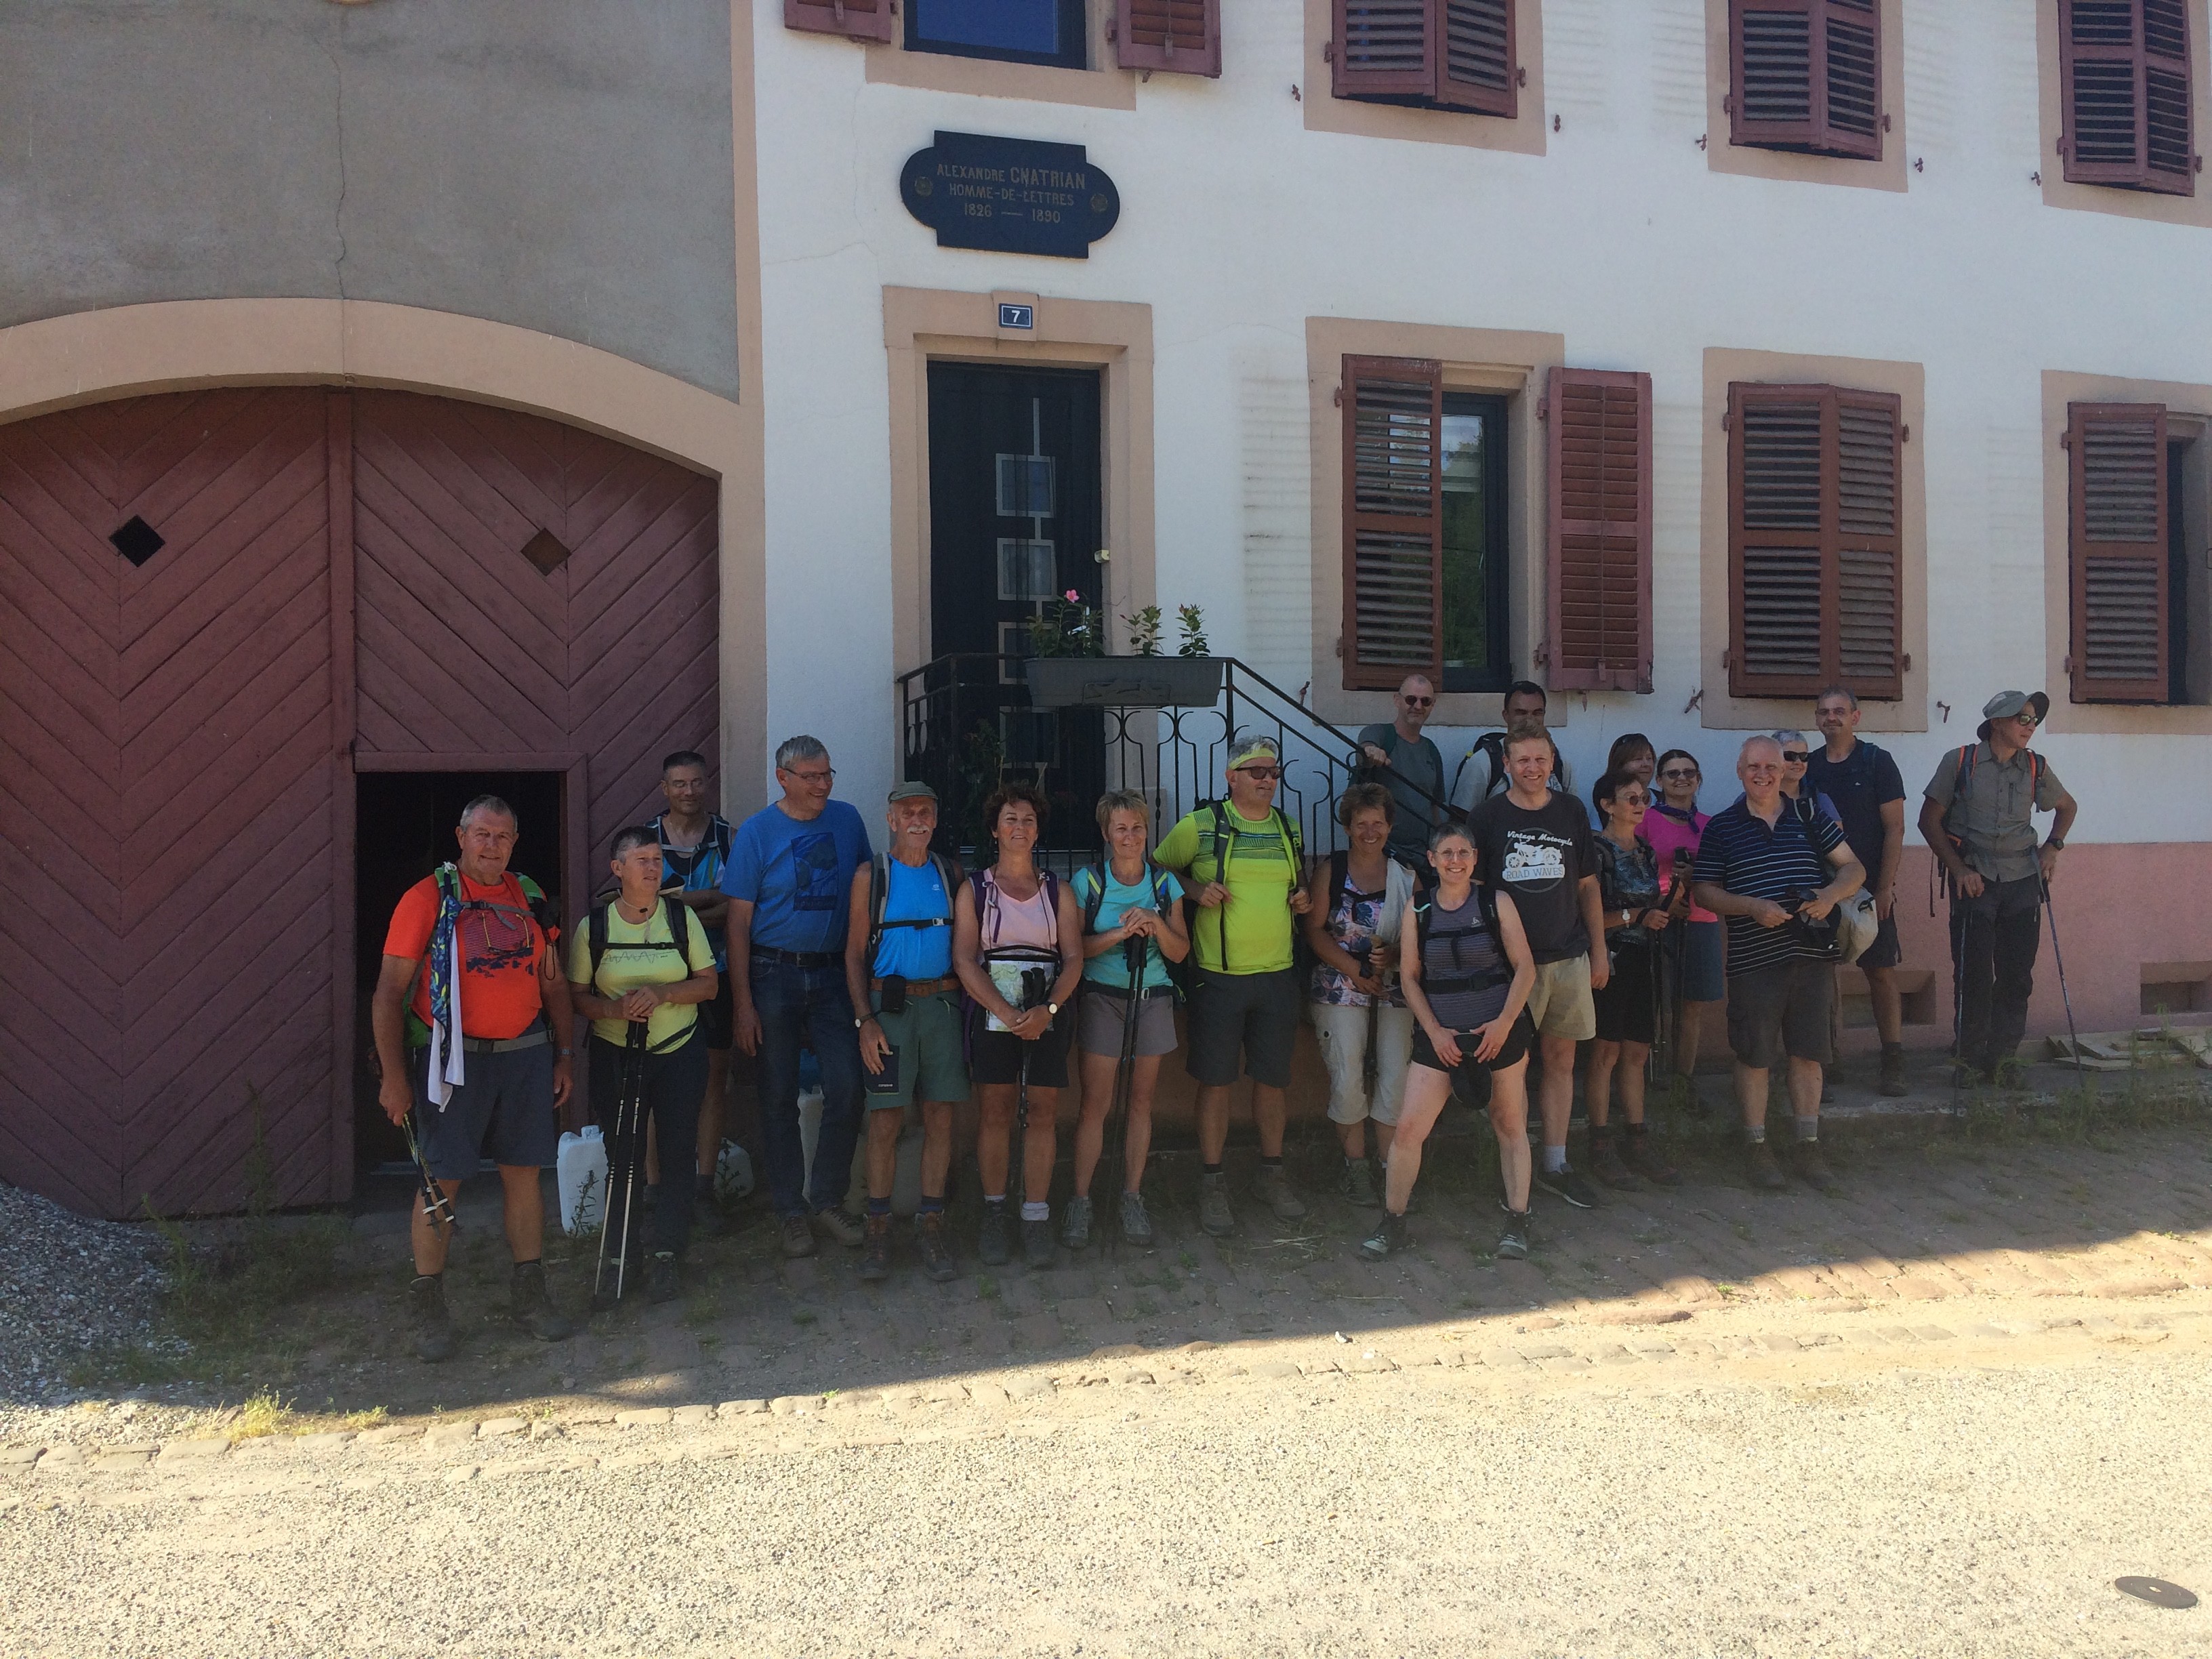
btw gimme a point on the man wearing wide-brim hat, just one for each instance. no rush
(1979, 819)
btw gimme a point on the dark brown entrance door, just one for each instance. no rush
(177, 709)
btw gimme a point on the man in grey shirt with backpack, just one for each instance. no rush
(1409, 766)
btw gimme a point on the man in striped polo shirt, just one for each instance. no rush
(1760, 866)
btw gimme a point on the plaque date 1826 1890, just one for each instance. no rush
(1010, 195)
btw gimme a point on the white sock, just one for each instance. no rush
(1034, 1211)
(1555, 1159)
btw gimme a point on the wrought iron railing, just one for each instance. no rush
(968, 721)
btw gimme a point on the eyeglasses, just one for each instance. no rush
(1679, 774)
(1796, 756)
(822, 776)
(1632, 798)
(1262, 773)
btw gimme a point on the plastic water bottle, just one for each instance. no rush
(581, 1173)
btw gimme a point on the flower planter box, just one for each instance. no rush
(1124, 682)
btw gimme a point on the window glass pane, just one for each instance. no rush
(1025, 486)
(1025, 569)
(1471, 640)
(1028, 26)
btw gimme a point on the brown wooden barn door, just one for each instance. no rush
(172, 800)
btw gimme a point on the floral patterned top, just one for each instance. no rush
(1352, 924)
(1627, 881)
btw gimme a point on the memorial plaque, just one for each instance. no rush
(1010, 195)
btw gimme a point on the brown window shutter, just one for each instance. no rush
(1806, 75)
(2118, 552)
(2124, 77)
(1393, 520)
(1815, 544)
(1183, 36)
(1599, 441)
(856, 20)
(1476, 68)
(1383, 49)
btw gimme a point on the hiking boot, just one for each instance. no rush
(1214, 1214)
(1892, 1069)
(1642, 1154)
(706, 1215)
(834, 1222)
(1607, 1165)
(1036, 1245)
(798, 1236)
(1075, 1224)
(875, 1263)
(936, 1254)
(1356, 1186)
(994, 1243)
(1812, 1167)
(1136, 1224)
(1387, 1238)
(1272, 1186)
(1519, 1232)
(532, 1310)
(1760, 1169)
(1563, 1183)
(660, 1277)
(426, 1316)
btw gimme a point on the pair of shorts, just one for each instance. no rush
(1782, 1011)
(1887, 951)
(932, 1064)
(1704, 962)
(1341, 1031)
(718, 1015)
(1252, 1015)
(1559, 1003)
(1473, 1072)
(1098, 1026)
(1625, 1013)
(504, 1111)
(1000, 1057)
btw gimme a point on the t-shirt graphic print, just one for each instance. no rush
(816, 871)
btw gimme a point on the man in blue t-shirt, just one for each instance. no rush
(1761, 867)
(899, 970)
(790, 870)
(1868, 793)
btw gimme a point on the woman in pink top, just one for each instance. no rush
(1694, 968)
(1018, 948)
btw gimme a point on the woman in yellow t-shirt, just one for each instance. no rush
(646, 971)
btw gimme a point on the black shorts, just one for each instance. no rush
(503, 1112)
(1252, 1015)
(1782, 1011)
(1886, 951)
(718, 1015)
(1470, 1072)
(1625, 1007)
(999, 1057)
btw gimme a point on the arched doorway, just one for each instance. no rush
(217, 609)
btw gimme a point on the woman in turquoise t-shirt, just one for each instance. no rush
(1139, 903)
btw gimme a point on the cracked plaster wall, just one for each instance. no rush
(561, 165)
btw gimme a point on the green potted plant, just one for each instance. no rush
(1070, 668)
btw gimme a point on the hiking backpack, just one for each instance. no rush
(879, 896)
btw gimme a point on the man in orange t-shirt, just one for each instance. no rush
(516, 1033)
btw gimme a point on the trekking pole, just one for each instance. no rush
(437, 1208)
(1134, 955)
(2073, 1037)
(626, 1150)
(1369, 1062)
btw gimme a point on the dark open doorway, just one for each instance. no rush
(403, 829)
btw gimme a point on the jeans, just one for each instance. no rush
(674, 1084)
(1994, 940)
(807, 1007)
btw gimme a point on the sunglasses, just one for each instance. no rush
(1796, 756)
(1677, 774)
(2027, 720)
(1419, 703)
(1262, 773)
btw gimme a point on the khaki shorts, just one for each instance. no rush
(1342, 1031)
(1560, 1004)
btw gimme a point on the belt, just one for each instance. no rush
(923, 987)
(1118, 993)
(537, 1037)
(798, 958)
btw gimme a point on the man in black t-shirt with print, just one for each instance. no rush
(1868, 795)
(1760, 867)
(1536, 845)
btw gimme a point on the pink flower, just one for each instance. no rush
(1072, 596)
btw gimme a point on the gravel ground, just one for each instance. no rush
(1970, 1511)
(67, 1286)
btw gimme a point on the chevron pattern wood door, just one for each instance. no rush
(167, 767)
(465, 645)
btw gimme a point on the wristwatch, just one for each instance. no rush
(859, 1020)
(1053, 1009)
(2056, 844)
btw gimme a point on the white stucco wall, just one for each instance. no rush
(1237, 224)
